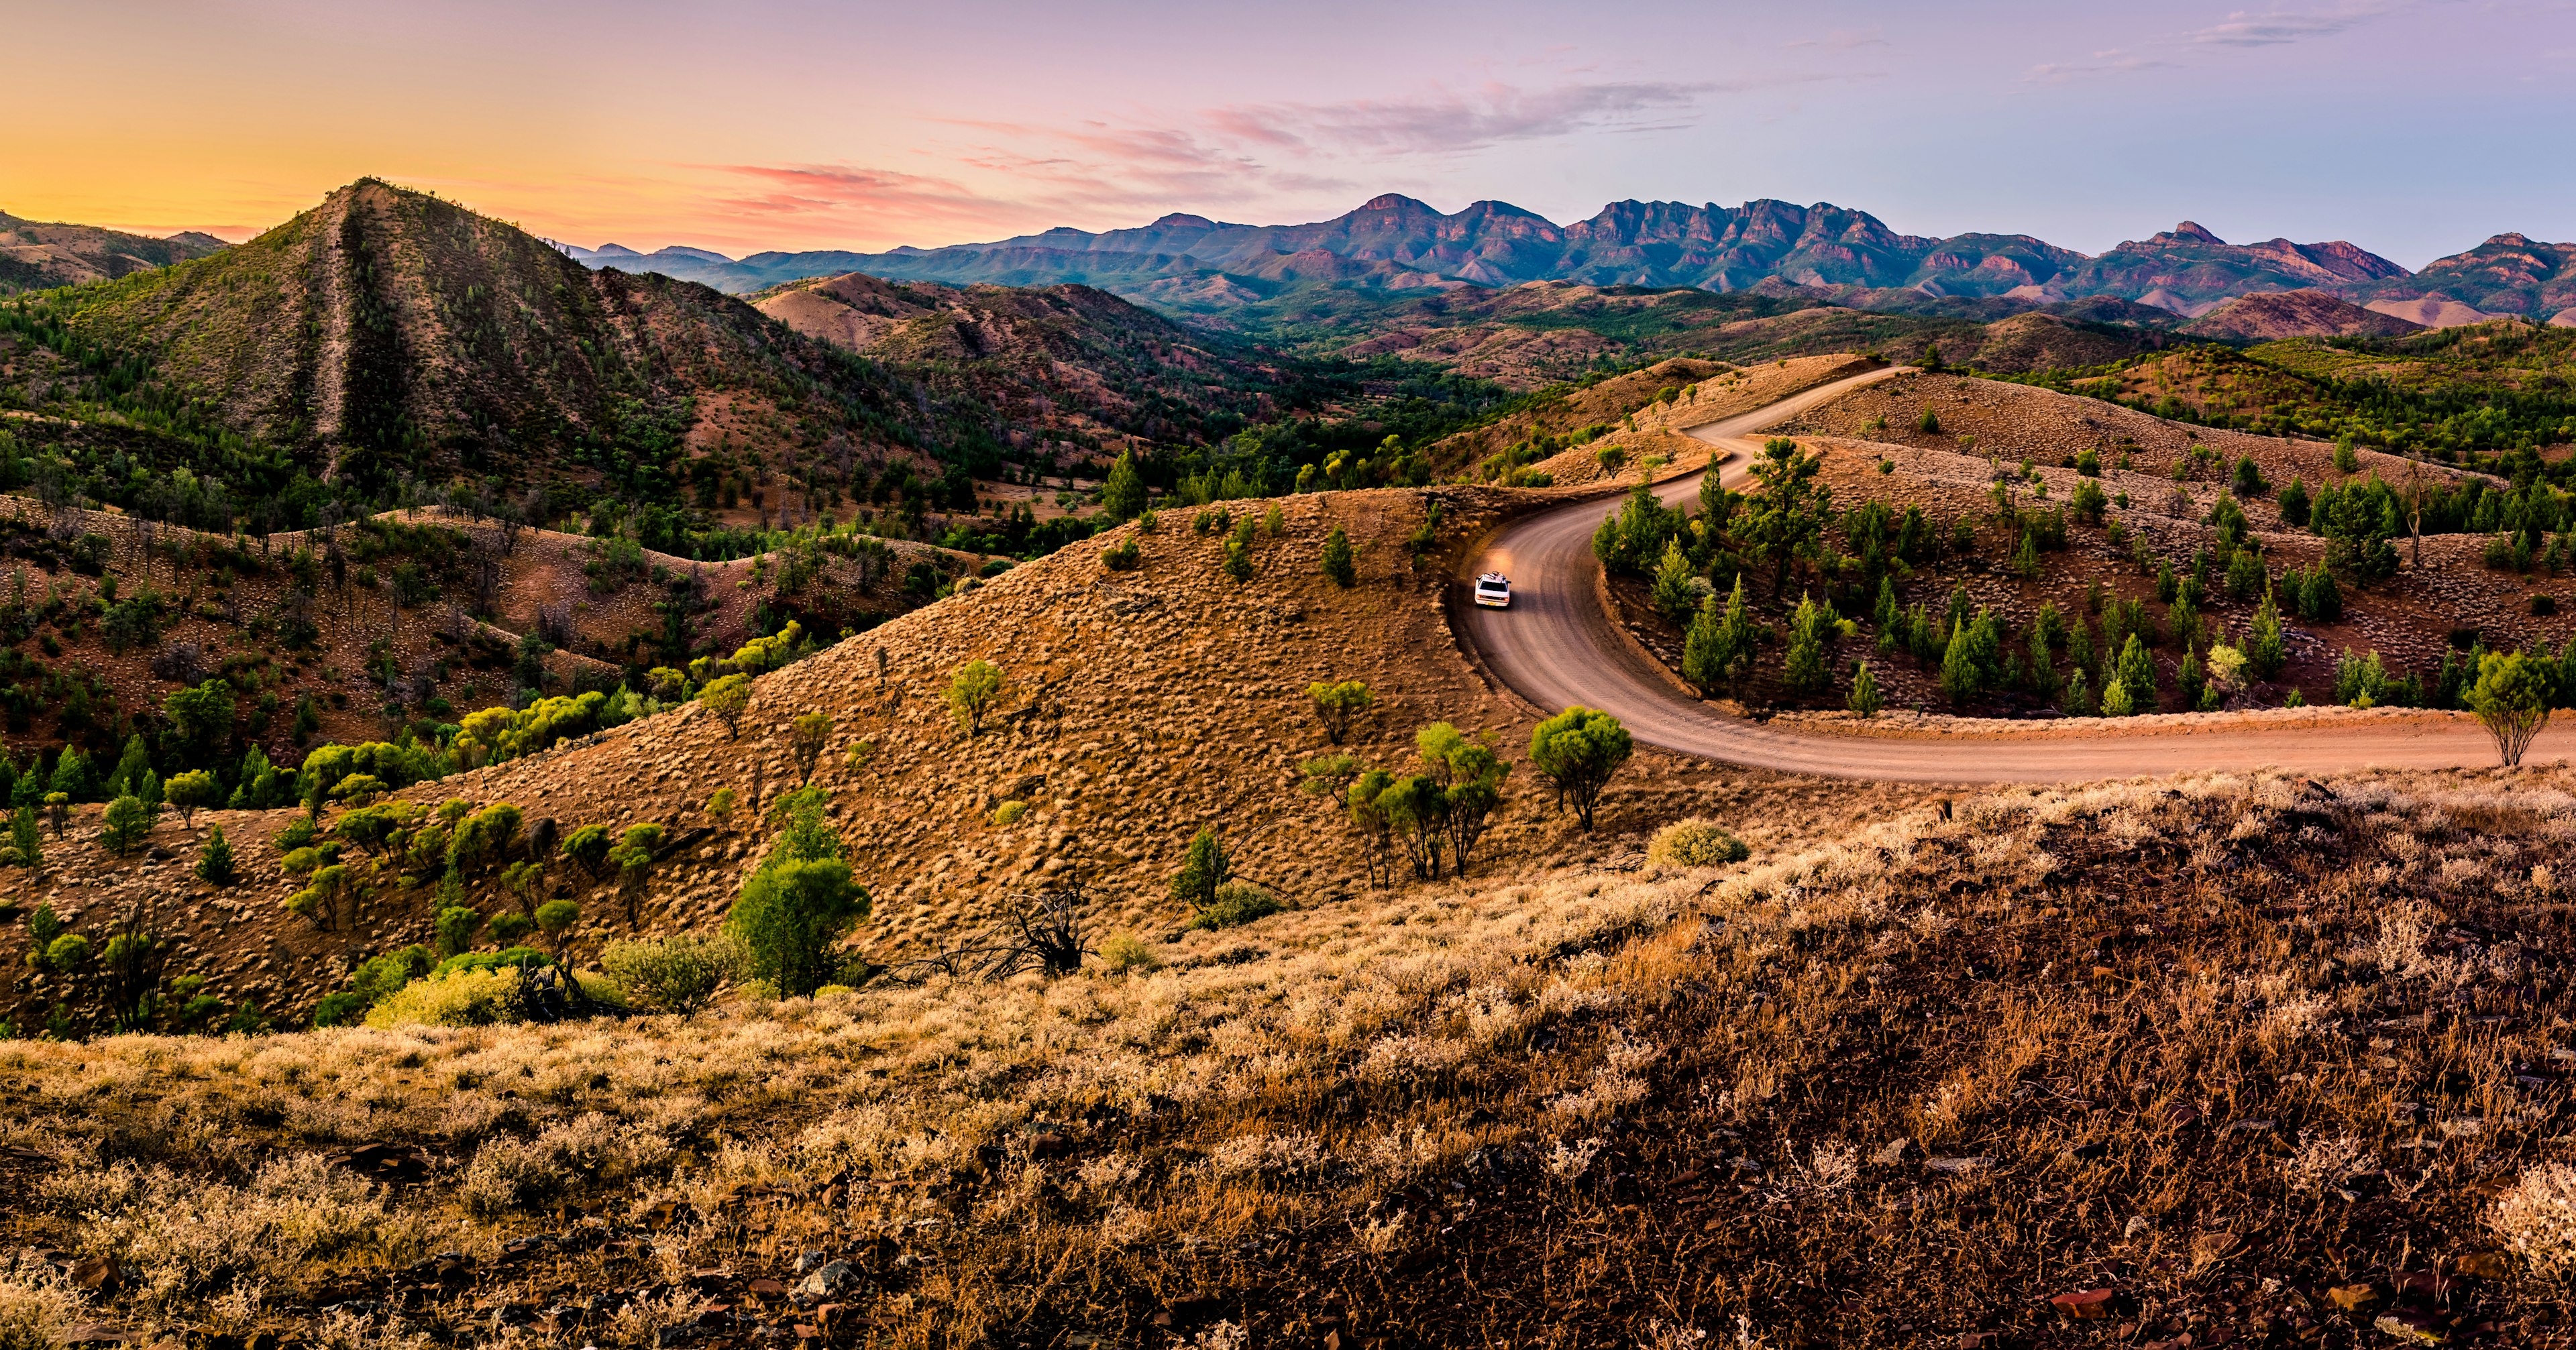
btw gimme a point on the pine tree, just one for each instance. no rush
(1889, 616)
(1122, 495)
(1703, 657)
(1864, 691)
(2115, 700)
(2079, 647)
(2043, 668)
(215, 860)
(2136, 677)
(1737, 642)
(2078, 698)
(1959, 666)
(1673, 576)
(2191, 678)
(2264, 650)
(1805, 672)
(2026, 558)
(1339, 566)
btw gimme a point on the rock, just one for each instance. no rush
(2085, 1305)
(98, 1276)
(2353, 1297)
(2412, 1328)
(829, 1279)
(808, 1262)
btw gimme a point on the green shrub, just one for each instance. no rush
(1695, 842)
(1009, 813)
(127, 821)
(508, 957)
(456, 926)
(678, 974)
(1124, 952)
(453, 998)
(1236, 904)
(343, 1008)
(1205, 868)
(508, 927)
(556, 916)
(215, 865)
(1122, 557)
(1340, 566)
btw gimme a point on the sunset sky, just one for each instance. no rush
(2413, 129)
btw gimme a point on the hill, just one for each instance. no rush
(2273, 315)
(387, 336)
(1049, 362)
(36, 256)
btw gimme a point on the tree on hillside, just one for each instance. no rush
(794, 910)
(1784, 521)
(2512, 698)
(1338, 705)
(1204, 867)
(1122, 496)
(807, 737)
(1577, 751)
(728, 697)
(1339, 565)
(973, 690)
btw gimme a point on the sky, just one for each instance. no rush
(2415, 128)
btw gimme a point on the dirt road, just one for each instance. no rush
(1555, 647)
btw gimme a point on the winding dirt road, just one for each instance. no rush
(1555, 647)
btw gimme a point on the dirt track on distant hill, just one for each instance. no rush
(1556, 646)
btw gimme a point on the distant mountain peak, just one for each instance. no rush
(1182, 220)
(2192, 229)
(1397, 201)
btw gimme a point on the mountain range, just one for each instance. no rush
(1394, 242)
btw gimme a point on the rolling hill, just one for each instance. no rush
(38, 256)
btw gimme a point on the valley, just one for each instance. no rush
(961, 799)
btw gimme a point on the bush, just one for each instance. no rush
(678, 974)
(973, 691)
(1124, 952)
(1122, 557)
(1236, 904)
(1695, 843)
(1577, 751)
(1205, 870)
(1339, 565)
(453, 998)
(347, 1007)
(1009, 813)
(508, 928)
(508, 958)
(556, 916)
(456, 926)
(2537, 1217)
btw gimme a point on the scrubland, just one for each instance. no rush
(2243, 1059)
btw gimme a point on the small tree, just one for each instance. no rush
(456, 926)
(680, 974)
(215, 865)
(191, 791)
(720, 808)
(633, 858)
(807, 735)
(1674, 596)
(1804, 672)
(58, 811)
(126, 823)
(2265, 652)
(972, 693)
(555, 918)
(26, 839)
(1122, 495)
(1577, 751)
(1340, 704)
(1204, 868)
(1703, 660)
(1864, 691)
(1340, 567)
(589, 846)
(524, 882)
(2137, 675)
(791, 916)
(2511, 699)
(1960, 678)
(728, 697)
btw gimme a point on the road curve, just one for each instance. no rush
(1555, 647)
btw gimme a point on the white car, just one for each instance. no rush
(1494, 591)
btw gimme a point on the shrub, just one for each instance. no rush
(27, 839)
(508, 958)
(677, 974)
(1122, 556)
(508, 928)
(1340, 567)
(453, 998)
(1205, 869)
(1236, 904)
(1124, 952)
(1338, 704)
(1009, 813)
(191, 791)
(1930, 422)
(2537, 1217)
(2512, 699)
(791, 916)
(1864, 691)
(1695, 843)
(807, 737)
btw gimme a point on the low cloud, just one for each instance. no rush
(1446, 122)
(2276, 28)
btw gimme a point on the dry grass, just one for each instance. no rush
(1901, 1087)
